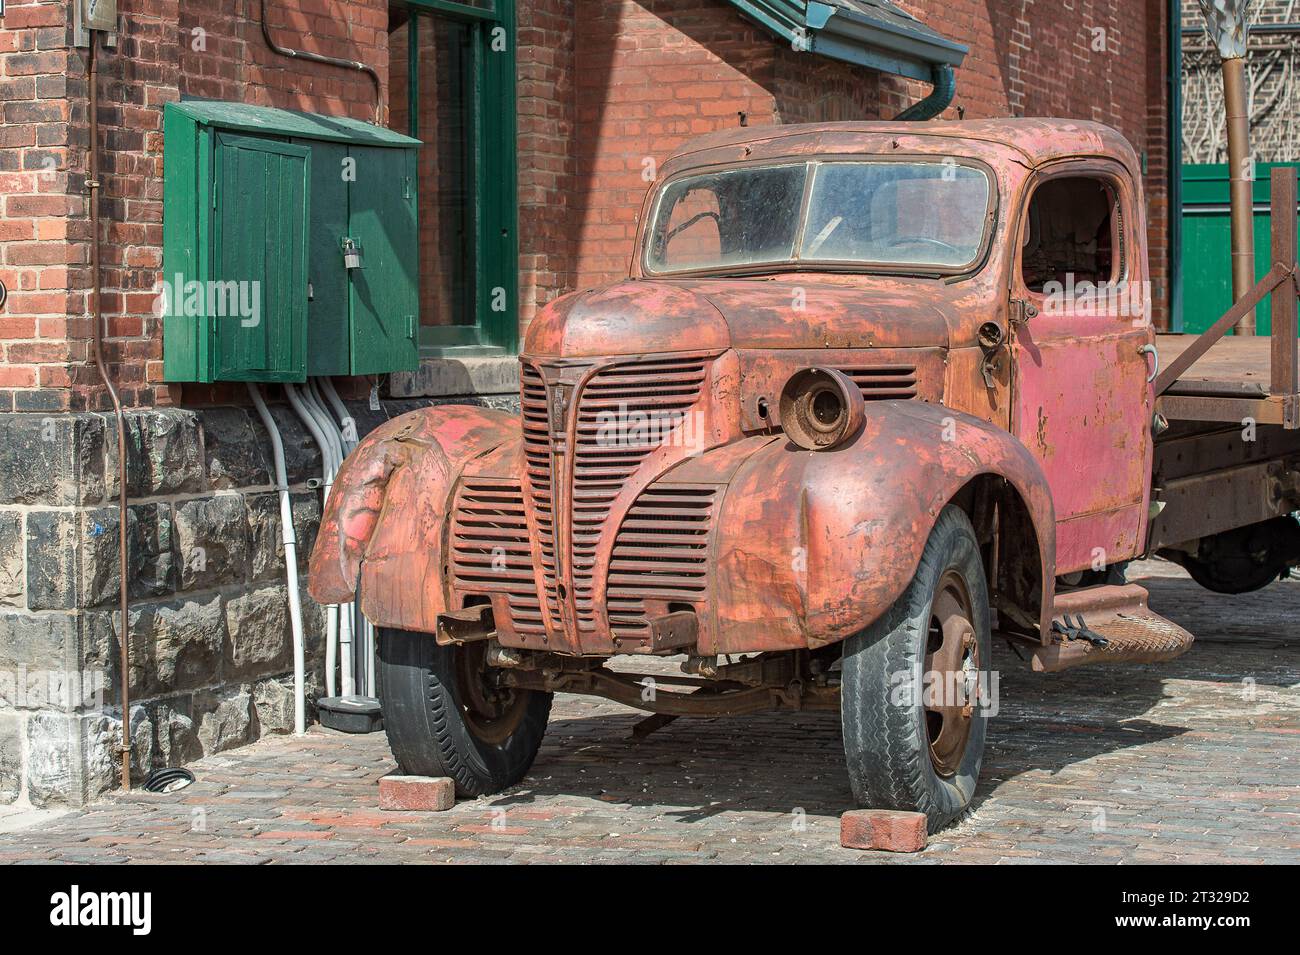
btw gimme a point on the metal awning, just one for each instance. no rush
(871, 33)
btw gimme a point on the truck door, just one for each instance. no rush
(1081, 401)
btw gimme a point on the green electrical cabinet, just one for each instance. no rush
(289, 245)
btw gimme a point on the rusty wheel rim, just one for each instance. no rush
(952, 666)
(491, 713)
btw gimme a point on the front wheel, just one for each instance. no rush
(914, 692)
(443, 716)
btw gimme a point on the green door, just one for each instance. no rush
(383, 290)
(258, 297)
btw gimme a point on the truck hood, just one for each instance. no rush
(636, 317)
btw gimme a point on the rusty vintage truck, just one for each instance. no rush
(871, 396)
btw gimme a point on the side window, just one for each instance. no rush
(1072, 234)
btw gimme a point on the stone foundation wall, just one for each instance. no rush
(211, 647)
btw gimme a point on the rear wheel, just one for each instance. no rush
(914, 685)
(1246, 558)
(443, 716)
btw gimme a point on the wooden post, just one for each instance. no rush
(1284, 361)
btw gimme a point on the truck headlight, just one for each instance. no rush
(821, 408)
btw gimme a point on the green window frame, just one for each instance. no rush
(494, 207)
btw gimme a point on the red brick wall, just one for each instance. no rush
(166, 49)
(39, 258)
(1037, 58)
(546, 123)
(653, 73)
(605, 87)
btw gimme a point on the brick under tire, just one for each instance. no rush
(891, 748)
(433, 726)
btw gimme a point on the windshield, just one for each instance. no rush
(892, 215)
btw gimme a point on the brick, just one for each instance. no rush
(416, 794)
(884, 830)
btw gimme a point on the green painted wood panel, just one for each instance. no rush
(384, 293)
(260, 248)
(1207, 244)
(181, 335)
(328, 338)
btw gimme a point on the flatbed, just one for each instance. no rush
(1234, 367)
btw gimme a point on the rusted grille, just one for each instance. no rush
(490, 552)
(884, 381)
(661, 554)
(625, 412)
(537, 462)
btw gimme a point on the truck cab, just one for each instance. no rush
(869, 394)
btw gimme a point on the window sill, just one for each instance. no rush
(471, 375)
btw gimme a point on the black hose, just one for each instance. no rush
(165, 780)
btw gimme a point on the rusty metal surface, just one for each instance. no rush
(586, 548)
(1081, 402)
(1200, 505)
(389, 504)
(1108, 624)
(812, 546)
(1025, 142)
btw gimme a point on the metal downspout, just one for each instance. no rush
(940, 98)
(97, 348)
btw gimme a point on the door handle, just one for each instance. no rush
(1151, 350)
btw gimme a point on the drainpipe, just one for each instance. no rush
(97, 348)
(940, 98)
(328, 60)
(1225, 20)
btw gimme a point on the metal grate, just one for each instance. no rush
(490, 551)
(661, 554)
(625, 411)
(881, 382)
(537, 466)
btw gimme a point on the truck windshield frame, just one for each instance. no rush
(794, 231)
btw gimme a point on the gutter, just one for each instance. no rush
(888, 42)
(880, 44)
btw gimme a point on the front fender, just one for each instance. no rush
(812, 546)
(382, 525)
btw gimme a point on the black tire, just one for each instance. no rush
(1239, 575)
(1245, 558)
(431, 725)
(894, 761)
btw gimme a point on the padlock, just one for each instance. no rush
(352, 254)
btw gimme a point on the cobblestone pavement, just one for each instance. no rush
(1194, 761)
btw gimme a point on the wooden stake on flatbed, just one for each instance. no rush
(1284, 358)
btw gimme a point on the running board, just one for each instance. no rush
(1108, 624)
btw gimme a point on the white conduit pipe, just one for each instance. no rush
(349, 437)
(347, 626)
(338, 640)
(290, 563)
